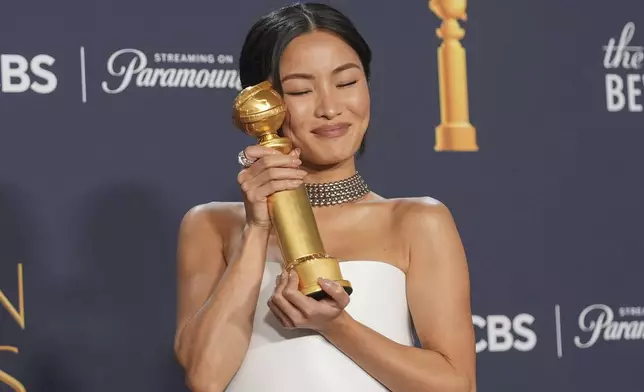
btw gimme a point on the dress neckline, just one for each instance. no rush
(373, 262)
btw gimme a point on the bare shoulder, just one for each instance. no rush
(213, 221)
(413, 217)
(215, 213)
(424, 214)
(427, 228)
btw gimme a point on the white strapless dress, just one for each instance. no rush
(280, 360)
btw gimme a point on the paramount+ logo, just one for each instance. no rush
(501, 333)
(20, 74)
(600, 323)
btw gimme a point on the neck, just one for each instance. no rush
(330, 173)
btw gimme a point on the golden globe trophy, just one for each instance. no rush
(259, 111)
(455, 133)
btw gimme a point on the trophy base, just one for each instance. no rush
(316, 292)
(319, 266)
(456, 137)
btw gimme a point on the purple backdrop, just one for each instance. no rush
(96, 171)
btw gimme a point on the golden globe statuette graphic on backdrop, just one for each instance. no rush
(19, 317)
(259, 111)
(455, 133)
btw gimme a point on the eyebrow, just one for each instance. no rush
(339, 69)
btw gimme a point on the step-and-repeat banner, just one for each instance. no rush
(115, 119)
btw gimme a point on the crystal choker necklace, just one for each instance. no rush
(337, 192)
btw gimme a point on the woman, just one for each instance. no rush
(242, 324)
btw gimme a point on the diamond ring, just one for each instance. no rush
(244, 160)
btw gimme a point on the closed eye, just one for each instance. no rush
(298, 92)
(348, 84)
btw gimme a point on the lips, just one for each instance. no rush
(332, 130)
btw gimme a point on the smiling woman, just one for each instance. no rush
(320, 75)
(242, 324)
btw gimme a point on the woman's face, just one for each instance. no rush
(326, 96)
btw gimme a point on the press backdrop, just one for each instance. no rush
(98, 168)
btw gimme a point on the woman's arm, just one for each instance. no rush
(216, 303)
(439, 300)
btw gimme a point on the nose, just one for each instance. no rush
(328, 105)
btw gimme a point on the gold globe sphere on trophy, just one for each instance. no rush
(455, 133)
(259, 111)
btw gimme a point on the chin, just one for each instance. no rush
(327, 152)
(326, 158)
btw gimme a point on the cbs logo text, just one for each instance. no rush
(19, 74)
(500, 333)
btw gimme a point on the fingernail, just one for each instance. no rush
(292, 274)
(302, 172)
(297, 161)
(325, 282)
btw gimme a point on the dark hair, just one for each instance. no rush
(270, 35)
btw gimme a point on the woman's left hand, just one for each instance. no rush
(295, 310)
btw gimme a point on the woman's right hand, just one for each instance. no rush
(272, 171)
